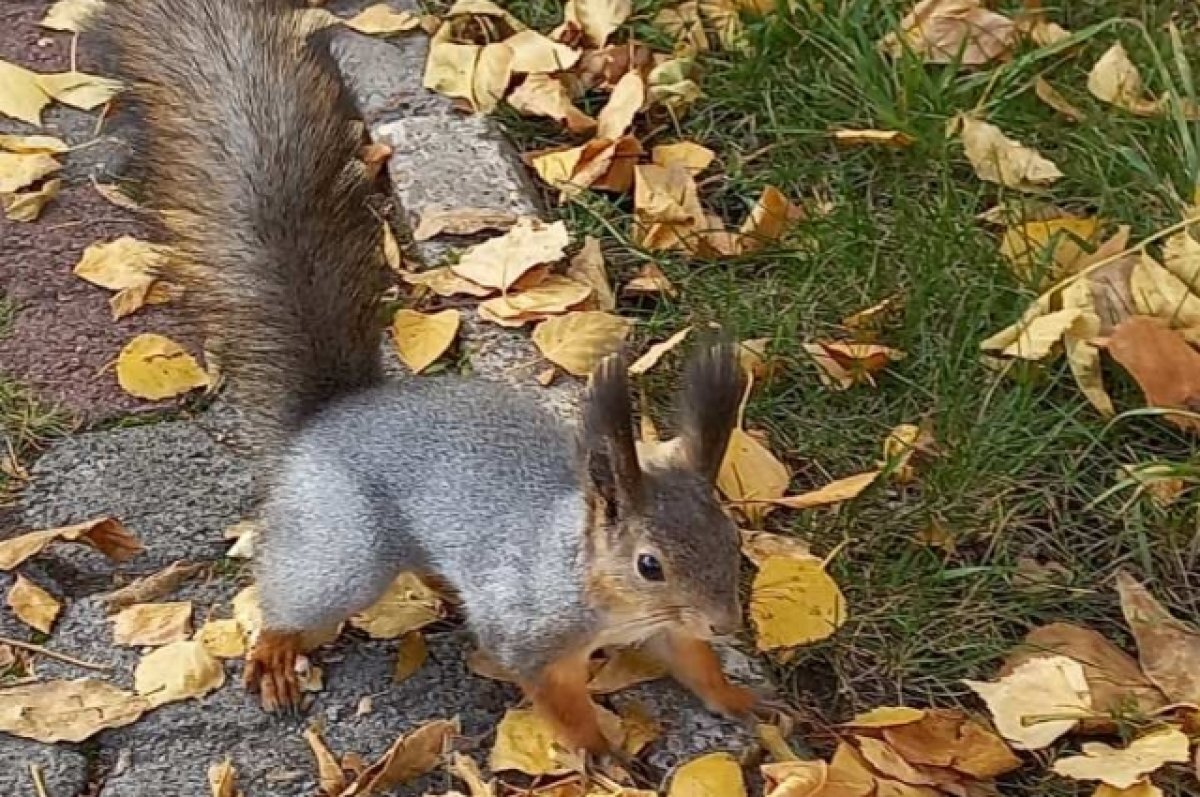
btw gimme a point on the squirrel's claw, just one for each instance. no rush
(271, 672)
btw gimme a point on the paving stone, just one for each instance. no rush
(386, 78)
(64, 769)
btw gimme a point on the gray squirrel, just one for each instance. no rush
(558, 542)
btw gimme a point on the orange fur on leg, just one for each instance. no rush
(695, 664)
(271, 669)
(560, 695)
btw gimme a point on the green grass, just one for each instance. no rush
(1025, 459)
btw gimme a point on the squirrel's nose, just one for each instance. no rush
(727, 621)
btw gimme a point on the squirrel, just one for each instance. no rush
(556, 538)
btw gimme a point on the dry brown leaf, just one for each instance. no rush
(710, 774)
(947, 738)
(886, 761)
(152, 587)
(444, 282)
(552, 296)
(33, 605)
(19, 169)
(435, 220)
(953, 31)
(757, 546)
(1115, 80)
(71, 15)
(525, 742)
(501, 261)
(999, 159)
(894, 139)
(79, 90)
(768, 220)
(420, 338)
(383, 20)
(626, 100)
(656, 352)
(1165, 367)
(754, 358)
(535, 53)
(410, 756)
(578, 341)
(21, 95)
(623, 669)
(410, 655)
(596, 19)
(67, 711)
(465, 769)
(1122, 768)
(835, 492)
(842, 365)
(224, 639)
(407, 605)
(901, 445)
(750, 474)
(26, 206)
(793, 601)
(1167, 647)
(588, 268)
(545, 95)
(649, 281)
(178, 671)
(105, 534)
(330, 777)
(222, 780)
(155, 368)
(1054, 98)
(1038, 701)
(149, 624)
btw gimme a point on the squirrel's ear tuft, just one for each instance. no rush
(712, 392)
(610, 460)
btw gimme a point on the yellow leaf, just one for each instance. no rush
(1115, 80)
(1167, 647)
(689, 155)
(1158, 292)
(493, 73)
(851, 363)
(1083, 356)
(666, 194)
(444, 282)
(597, 19)
(626, 100)
(849, 775)
(410, 756)
(154, 367)
(1181, 256)
(543, 95)
(535, 53)
(999, 159)
(557, 167)
(577, 341)
(623, 669)
(26, 206)
(145, 624)
(410, 655)
(1059, 241)
(450, 68)
(758, 546)
(588, 268)
(1038, 338)
(795, 778)
(178, 671)
(751, 473)
(501, 261)
(71, 15)
(465, 769)
(552, 296)
(460, 221)
(1123, 768)
(1141, 789)
(407, 605)
(894, 139)
(79, 90)
(21, 96)
(104, 534)
(1038, 701)
(953, 31)
(793, 601)
(708, 775)
(330, 777)
(18, 170)
(223, 639)
(33, 605)
(768, 220)
(886, 717)
(382, 19)
(655, 353)
(421, 339)
(1054, 98)
(222, 780)
(124, 263)
(33, 145)
(67, 711)
(525, 742)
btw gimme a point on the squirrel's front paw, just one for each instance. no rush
(271, 670)
(734, 701)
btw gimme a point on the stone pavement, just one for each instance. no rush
(178, 484)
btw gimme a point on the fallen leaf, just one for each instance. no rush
(501, 261)
(750, 474)
(948, 738)
(410, 655)
(148, 589)
(603, 68)
(577, 341)
(71, 15)
(649, 281)
(1159, 481)
(105, 534)
(222, 780)
(223, 639)
(1054, 98)
(383, 20)
(768, 220)
(849, 776)
(552, 296)
(710, 774)
(421, 338)
(1122, 768)
(33, 605)
(894, 139)
(407, 605)
(886, 717)
(26, 206)
(683, 24)
(330, 777)
(67, 711)
(465, 769)
(19, 169)
(444, 282)
(410, 756)
(901, 445)
(545, 95)
(21, 96)
(886, 761)
(79, 90)
(758, 546)
(493, 73)
(793, 601)
(999, 159)
(753, 356)
(638, 727)
(124, 263)
(1167, 647)
(1115, 80)
(626, 667)
(1165, 367)
(114, 195)
(1142, 789)
(525, 742)
(852, 363)
(688, 155)
(626, 100)
(1044, 251)
(771, 737)
(588, 268)
(33, 145)
(1037, 702)
(450, 69)
(597, 19)
(656, 352)
(149, 624)
(835, 492)
(154, 367)
(953, 31)
(1039, 338)
(535, 53)
(795, 778)
(722, 18)
(178, 671)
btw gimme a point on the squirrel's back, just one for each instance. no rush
(249, 146)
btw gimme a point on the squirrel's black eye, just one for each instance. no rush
(649, 567)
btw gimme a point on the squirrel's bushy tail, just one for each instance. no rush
(248, 145)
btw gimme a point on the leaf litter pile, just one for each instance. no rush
(1100, 294)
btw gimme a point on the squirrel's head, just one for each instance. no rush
(662, 552)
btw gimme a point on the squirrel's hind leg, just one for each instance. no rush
(559, 693)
